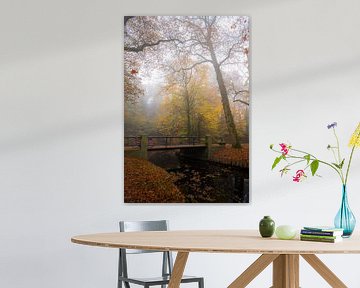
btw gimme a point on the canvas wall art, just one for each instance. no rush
(186, 109)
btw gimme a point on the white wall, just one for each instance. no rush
(61, 133)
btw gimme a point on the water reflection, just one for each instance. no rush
(208, 182)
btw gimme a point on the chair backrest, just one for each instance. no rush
(134, 226)
(137, 226)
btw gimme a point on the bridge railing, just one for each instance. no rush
(174, 140)
(166, 141)
(132, 141)
(140, 145)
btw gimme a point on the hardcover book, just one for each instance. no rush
(325, 240)
(320, 237)
(321, 233)
(323, 228)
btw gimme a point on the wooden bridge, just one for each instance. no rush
(164, 142)
(140, 145)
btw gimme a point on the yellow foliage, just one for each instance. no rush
(355, 138)
(190, 102)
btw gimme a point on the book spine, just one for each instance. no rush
(318, 239)
(320, 233)
(319, 236)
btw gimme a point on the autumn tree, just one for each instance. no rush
(240, 99)
(191, 104)
(219, 41)
(132, 81)
(142, 33)
(180, 84)
(222, 42)
(139, 33)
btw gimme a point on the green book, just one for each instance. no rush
(319, 236)
(325, 240)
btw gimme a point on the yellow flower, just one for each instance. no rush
(355, 137)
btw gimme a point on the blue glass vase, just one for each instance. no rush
(345, 219)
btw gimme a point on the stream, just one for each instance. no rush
(209, 182)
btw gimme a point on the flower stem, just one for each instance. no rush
(339, 156)
(338, 171)
(338, 146)
(320, 161)
(304, 152)
(312, 159)
(348, 168)
(296, 162)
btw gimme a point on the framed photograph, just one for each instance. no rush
(186, 101)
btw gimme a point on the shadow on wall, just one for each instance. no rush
(56, 134)
(114, 120)
(309, 75)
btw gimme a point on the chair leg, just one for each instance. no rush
(201, 283)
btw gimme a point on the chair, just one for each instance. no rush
(167, 262)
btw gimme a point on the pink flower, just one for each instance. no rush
(284, 148)
(300, 174)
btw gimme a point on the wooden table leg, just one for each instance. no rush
(324, 271)
(178, 270)
(286, 271)
(253, 270)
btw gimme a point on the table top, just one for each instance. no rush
(218, 241)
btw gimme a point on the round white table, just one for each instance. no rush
(284, 254)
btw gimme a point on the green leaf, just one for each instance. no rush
(336, 165)
(271, 146)
(276, 161)
(314, 166)
(307, 157)
(339, 166)
(342, 163)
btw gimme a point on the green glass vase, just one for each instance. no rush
(266, 227)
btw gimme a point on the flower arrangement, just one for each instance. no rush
(293, 156)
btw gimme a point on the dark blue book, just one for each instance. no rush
(322, 231)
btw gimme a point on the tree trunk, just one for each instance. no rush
(224, 98)
(188, 111)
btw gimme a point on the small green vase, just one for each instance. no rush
(266, 227)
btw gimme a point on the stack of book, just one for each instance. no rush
(321, 234)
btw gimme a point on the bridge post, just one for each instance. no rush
(208, 142)
(144, 147)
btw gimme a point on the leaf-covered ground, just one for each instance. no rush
(233, 156)
(147, 183)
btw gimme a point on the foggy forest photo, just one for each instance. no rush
(186, 109)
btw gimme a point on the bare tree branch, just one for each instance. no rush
(192, 24)
(127, 18)
(145, 45)
(229, 54)
(202, 57)
(194, 65)
(241, 101)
